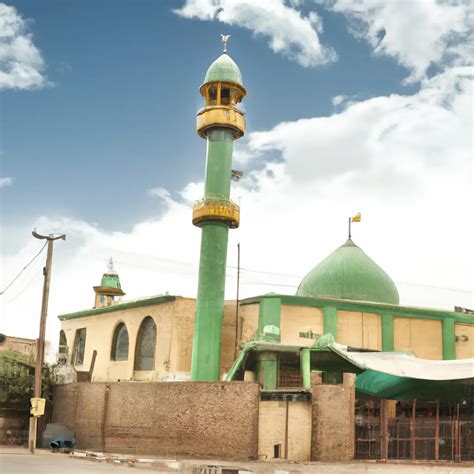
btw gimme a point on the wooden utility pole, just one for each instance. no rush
(236, 347)
(42, 331)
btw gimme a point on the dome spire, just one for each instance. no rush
(225, 39)
(110, 267)
(356, 218)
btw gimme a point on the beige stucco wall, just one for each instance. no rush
(174, 344)
(423, 337)
(272, 429)
(464, 349)
(19, 344)
(174, 334)
(359, 329)
(296, 319)
(228, 346)
(248, 321)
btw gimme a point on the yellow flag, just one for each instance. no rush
(356, 218)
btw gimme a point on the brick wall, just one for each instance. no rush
(333, 423)
(197, 419)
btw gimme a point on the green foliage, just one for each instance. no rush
(17, 379)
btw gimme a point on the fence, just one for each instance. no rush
(437, 432)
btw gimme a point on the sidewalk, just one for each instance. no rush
(192, 466)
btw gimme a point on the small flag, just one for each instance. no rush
(356, 218)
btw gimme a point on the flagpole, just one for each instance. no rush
(349, 227)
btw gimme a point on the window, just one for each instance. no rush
(79, 346)
(212, 95)
(120, 343)
(146, 341)
(225, 96)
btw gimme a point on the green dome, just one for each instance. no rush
(223, 69)
(350, 274)
(110, 280)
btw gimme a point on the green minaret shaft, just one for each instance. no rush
(212, 265)
(220, 122)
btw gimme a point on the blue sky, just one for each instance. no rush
(353, 106)
(119, 114)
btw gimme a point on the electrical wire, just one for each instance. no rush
(23, 269)
(288, 275)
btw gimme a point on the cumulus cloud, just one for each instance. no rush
(4, 182)
(289, 31)
(21, 63)
(418, 33)
(397, 133)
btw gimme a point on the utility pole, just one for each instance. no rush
(42, 331)
(236, 348)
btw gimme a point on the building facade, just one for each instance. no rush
(301, 395)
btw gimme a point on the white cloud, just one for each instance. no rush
(4, 182)
(384, 134)
(21, 63)
(418, 33)
(160, 192)
(338, 100)
(289, 31)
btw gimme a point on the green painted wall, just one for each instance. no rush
(268, 370)
(449, 349)
(269, 315)
(305, 364)
(387, 332)
(330, 320)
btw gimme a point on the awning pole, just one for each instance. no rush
(437, 432)
(413, 430)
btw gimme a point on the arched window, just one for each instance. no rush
(62, 343)
(146, 341)
(120, 343)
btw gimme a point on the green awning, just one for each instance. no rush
(392, 387)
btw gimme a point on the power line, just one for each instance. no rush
(243, 269)
(23, 269)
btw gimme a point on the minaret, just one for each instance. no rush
(109, 288)
(220, 123)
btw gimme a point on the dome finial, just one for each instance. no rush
(225, 39)
(110, 267)
(355, 218)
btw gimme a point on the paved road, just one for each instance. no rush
(58, 464)
(44, 462)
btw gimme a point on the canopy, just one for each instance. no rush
(405, 365)
(391, 387)
(400, 376)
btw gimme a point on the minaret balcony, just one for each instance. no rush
(208, 210)
(220, 116)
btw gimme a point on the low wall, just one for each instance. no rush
(333, 428)
(14, 423)
(199, 419)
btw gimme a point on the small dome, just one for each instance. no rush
(223, 69)
(110, 280)
(350, 274)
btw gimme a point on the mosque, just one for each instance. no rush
(343, 336)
